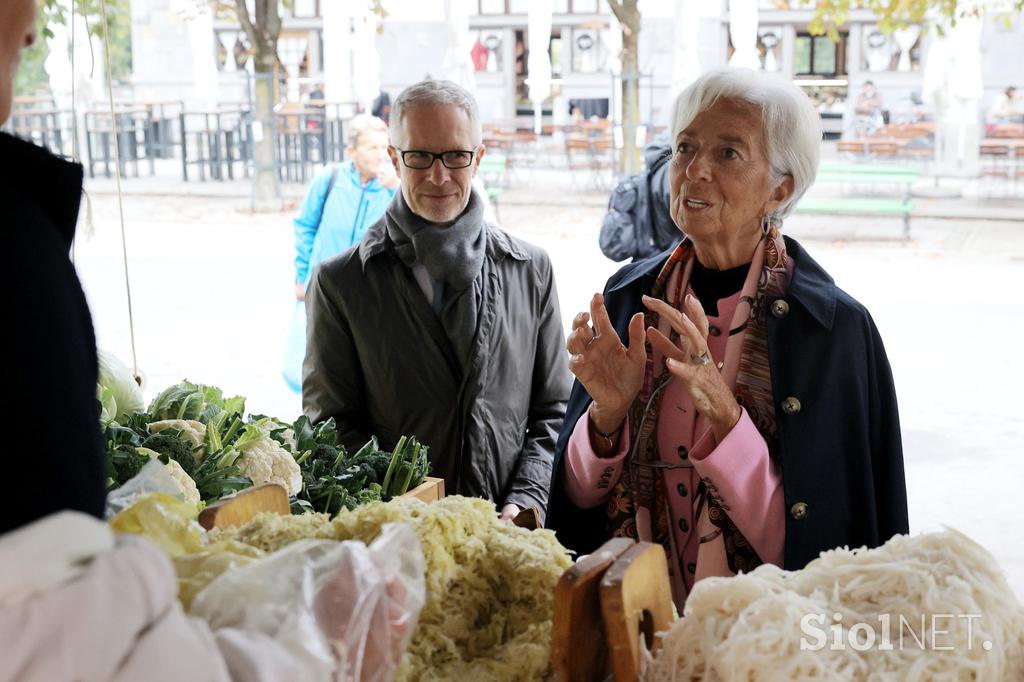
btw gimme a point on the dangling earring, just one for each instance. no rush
(766, 224)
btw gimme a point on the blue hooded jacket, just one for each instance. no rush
(348, 212)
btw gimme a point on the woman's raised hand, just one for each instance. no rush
(689, 361)
(611, 372)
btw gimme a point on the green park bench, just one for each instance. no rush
(493, 169)
(865, 174)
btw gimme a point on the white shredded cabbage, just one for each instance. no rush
(490, 585)
(749, 627)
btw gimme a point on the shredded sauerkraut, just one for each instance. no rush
(928, 605)
(490, 585)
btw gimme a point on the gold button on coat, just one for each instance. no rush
(780, 308)
(790, 405)
(798, 511)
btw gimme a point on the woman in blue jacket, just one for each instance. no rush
(343, 201)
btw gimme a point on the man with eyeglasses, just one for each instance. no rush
(440, 325)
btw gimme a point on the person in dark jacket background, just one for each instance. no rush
(53, 452)
(731, 403)
(440, 325)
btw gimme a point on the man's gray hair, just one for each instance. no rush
(360, 124)
(791, 126)
(432, 93)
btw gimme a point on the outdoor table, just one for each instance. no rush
(133, 141)
(1009, 149)
(221, 139)
(44, 126)
(160, 122)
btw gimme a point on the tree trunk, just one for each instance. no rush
(628, 14)
(262, 29)
(266, 192)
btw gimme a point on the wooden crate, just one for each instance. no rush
(431, 490)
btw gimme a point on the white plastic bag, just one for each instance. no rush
(345, 610)
(152, 478)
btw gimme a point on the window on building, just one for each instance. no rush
(899, 51)
(492, 6)
(519, 6)
(304, 8)
(487, 50)
(819, 56)
(769, 46)
(555, 52)
(589, 50)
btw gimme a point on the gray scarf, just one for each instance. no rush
(453, 255)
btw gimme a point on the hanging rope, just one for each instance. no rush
(117, 177)
(74, 119)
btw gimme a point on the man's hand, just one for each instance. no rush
(509, 512)
(300, 292)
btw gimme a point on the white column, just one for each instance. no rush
(226, 39)
(953, 87)
(686, 59)
(743, 33)
(365, 58)
(458, 64)
(58, 65)
(905, 39)
(967, 89)
(291, 51)
(204, 59)
(539, 62)
(337, 41)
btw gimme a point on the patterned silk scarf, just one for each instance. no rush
(641, 484)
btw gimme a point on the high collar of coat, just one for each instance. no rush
(499, 244)
(50, 184)
(811, 286)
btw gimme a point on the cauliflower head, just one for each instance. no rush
(265, 461)
(191, 430)
(188, 487)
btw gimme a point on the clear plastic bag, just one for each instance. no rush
(345, 610)
(152, 478)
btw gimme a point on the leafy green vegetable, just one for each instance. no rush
(218, 475)
(117, 390)
(194, 401)
(408, 467)
(372, 456)
(169, 443)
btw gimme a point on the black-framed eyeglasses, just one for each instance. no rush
(422, 160)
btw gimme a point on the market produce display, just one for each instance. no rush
(930, 602)
(490, 585)
(212, 449)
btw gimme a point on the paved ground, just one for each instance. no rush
(211, 286)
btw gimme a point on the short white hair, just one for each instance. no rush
(433, 93)
(791, 126)
(360, 124)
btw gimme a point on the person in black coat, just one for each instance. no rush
(53, 451)
(731, 402)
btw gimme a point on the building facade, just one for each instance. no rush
(679, 38)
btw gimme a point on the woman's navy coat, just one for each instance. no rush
(840, 454)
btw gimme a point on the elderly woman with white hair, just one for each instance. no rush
(731, 403)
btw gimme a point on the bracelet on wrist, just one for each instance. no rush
(611, 436)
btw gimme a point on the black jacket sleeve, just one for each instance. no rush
(332, 377)
(52, 448)
(549, 390)
(886, 443)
